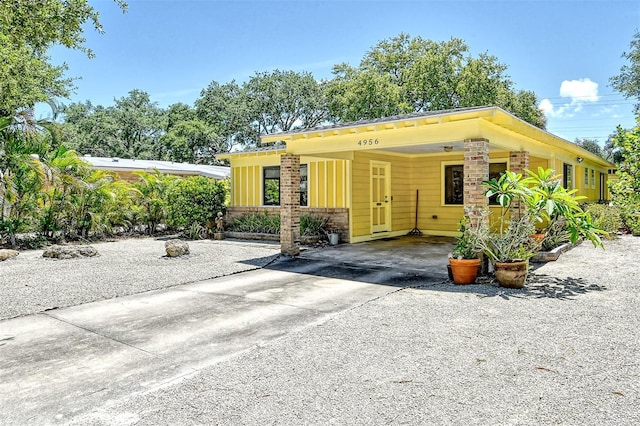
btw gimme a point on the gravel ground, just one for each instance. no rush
(566, 350)
(30, 283)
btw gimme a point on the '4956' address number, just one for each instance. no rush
(367, 142)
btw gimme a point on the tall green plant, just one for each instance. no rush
(195, 199)
(68, 173)
(22, 178)
(625, 191)
(152, 198)
(543, 198)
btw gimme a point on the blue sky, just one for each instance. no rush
(564, 50)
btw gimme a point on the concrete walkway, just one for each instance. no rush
(67, 362)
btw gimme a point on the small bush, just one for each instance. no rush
(605, 217)
(195, 199)
(262, 223)
(556, 235)
(196, 232)
(312, 225)
(32, 242)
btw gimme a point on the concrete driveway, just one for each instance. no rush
(66, 362)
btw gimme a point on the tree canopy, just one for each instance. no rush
(27, 29)
(628, 81)
(404, 74)
(399, 75)
(590, 145)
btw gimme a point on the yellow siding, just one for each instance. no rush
(326, 180)
(535, 162)
(402, 196)
(433, 215)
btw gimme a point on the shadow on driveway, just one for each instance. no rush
(418, 262)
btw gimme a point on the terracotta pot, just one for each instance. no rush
(465, 271)
(512, 274)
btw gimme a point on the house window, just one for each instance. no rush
(304, 187)
(454, 184)
(586, 178)
(271, 185)
(593, 178)
(567, 176)
(454, 181)
(495, 170)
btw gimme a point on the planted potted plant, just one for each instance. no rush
(464, 259)
(523, 203)
(550, 204)
(510, 250)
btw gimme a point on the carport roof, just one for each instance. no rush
(494, 116)
(275, 137)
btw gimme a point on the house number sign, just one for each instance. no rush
(368, 142)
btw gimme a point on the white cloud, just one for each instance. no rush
(583, 90)
(577, 92)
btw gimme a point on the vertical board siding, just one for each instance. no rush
(327, 183)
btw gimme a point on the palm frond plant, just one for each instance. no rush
(525, 201)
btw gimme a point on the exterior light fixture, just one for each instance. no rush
(448, 148)
(579, 159)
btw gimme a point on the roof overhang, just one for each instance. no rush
(430, 133)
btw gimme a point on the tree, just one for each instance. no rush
(284, 100)
(192, 141)
(22, 177)
(628, 81)
(140, 124)
(152, 200)
(626, 189)
(92, 130)
(179, 112)
(130, 129)
(67, 171)
(624, 145)
(225, 108)
(269, 102)
(357, 95)
(590, 145)
(405, 74)
(27, 29)
(611, 152)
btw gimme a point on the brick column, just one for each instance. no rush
(518, 163)
(290, 205)
(476, 170)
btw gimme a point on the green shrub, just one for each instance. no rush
(312, 225)
(196, 232)
(195, 200)
(263, 223)
(605, 217)
(556, 235)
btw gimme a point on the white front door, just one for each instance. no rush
(380, 196)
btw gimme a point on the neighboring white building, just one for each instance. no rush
(125, 166)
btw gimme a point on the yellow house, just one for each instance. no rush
(383, 178)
